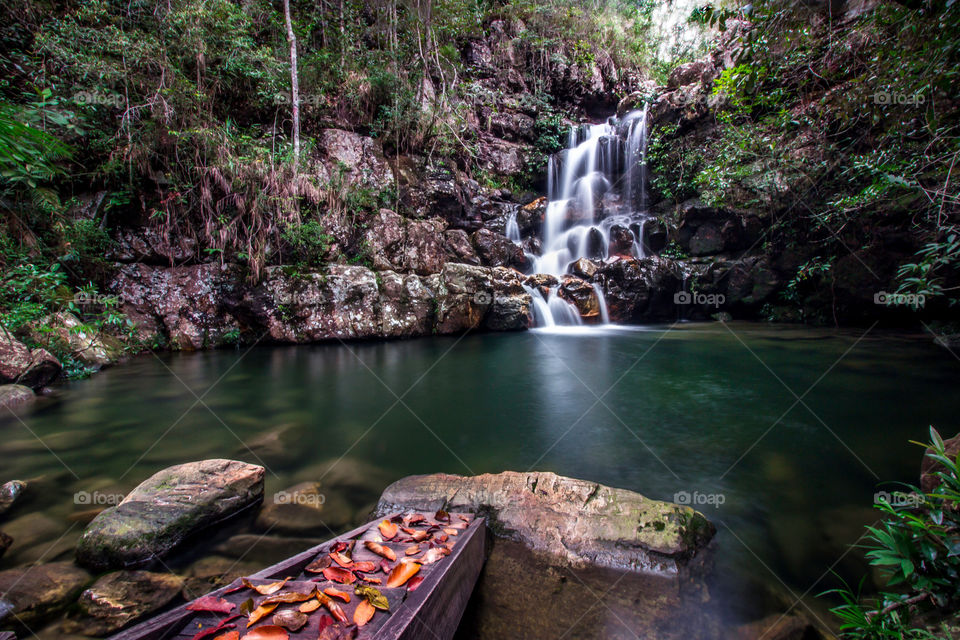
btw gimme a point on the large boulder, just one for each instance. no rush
(19, 364)
(12, 395)
(469, 297)
(64, 330)
(397, 244)
(360, 158)
(119, 598)
(580, 522)
(35, 593)
(496, 250)
(165, 509)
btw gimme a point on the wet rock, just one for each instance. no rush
(21, 365)
(639, 290)
(5, 542)
(583, 268)
(10, 493)
(213, 572)
(459, 248)
(621, 241)
(496, 250)
(654, 236)
(580, 522)
(12, 395)
(406, 306)
(929, 467)
(166, 508)
(467, 295)
(305, 509)
(64, 331)
(36, 593)
(596, 244)
(707, 240)
(582, 295)
(117, 599)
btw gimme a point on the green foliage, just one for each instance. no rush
(308, 244)
(916, 546)
(937, 261)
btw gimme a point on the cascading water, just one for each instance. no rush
(596, 206)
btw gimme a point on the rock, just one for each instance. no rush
(33, 594)
(166, 508)
(20, 365)
(654, 236)
(424, 250)
(12, 395)
(639, 290)
(119, 598)
(496, 250)
(621, 241)
(10, 492)
(469, 296)
(706, 241)
(406, 306)
(583, 268)
(5, 542)
(263, 550)
(778, 627)
(33, 534)
(459, 248)
(212, 572)
(305, 509)
(148, 245)
(361, 157)
(64, 330)
(929, 467)
(582, 295)
(691, 72)
(580, 522)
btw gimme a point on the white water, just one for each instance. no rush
(596, 184)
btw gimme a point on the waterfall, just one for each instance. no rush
(512, 230)
(596, 205)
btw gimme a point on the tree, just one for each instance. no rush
(294, 84)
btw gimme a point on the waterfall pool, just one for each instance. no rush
(780, 435)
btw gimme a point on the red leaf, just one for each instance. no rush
(336, 574)
(211, 603)
(414, 582)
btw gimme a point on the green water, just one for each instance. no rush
(706, 409)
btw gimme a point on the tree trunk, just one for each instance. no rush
(294, 85)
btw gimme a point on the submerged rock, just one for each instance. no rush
(12, 395)
(165, 509)
(10, 492)
(583, 523)
(35, 593)
(119, 598)
(305, 509)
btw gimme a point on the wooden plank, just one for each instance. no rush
(436, 605)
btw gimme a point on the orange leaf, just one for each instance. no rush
(336, 574)
(290, 596)
(363, 613)
(310, 607)
(332, 607)
(268, 632)
(387, 529)
(265, 589)
(380, 550)
(412, 551)
(371, 580)
(401, 573)
(336, 593)
(432, 555)
(342, 560)
(229, 635)
(260, 612)
(451, 532)
(365, 566)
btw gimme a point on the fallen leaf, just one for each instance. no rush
(432, 555)
(260, 612)
(209, 631)
(290, 596)
(310, 607)
(442, 516)
(451, 532)
(229, 635)
(373, 596)
(364, 566)
(342, 545)
(464, 518)
(414, 583)
(268, 632)
(319, 564)
(290, 619)
(265, 589)
(211, 603)
(412, 551)
(332, 607)
(341, 559)
(385, 566)
(443, 537)
(331, 631)
(459, 525)
(336, 574)
(387, 529)
(401, 573)
(380, 550)
(420, 536)
(247, 606)
(414, 518)
(363, 613)
(336, 593)
(371, 580)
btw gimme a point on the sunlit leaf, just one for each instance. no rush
(260, 612)
(363, 613)
(290, 619)
(401, 573)
(337, 574)
(381, 550)
(268, 632)
(336, 593)
(211, 603)
(387, 529)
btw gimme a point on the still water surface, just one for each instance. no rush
(782, 435)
